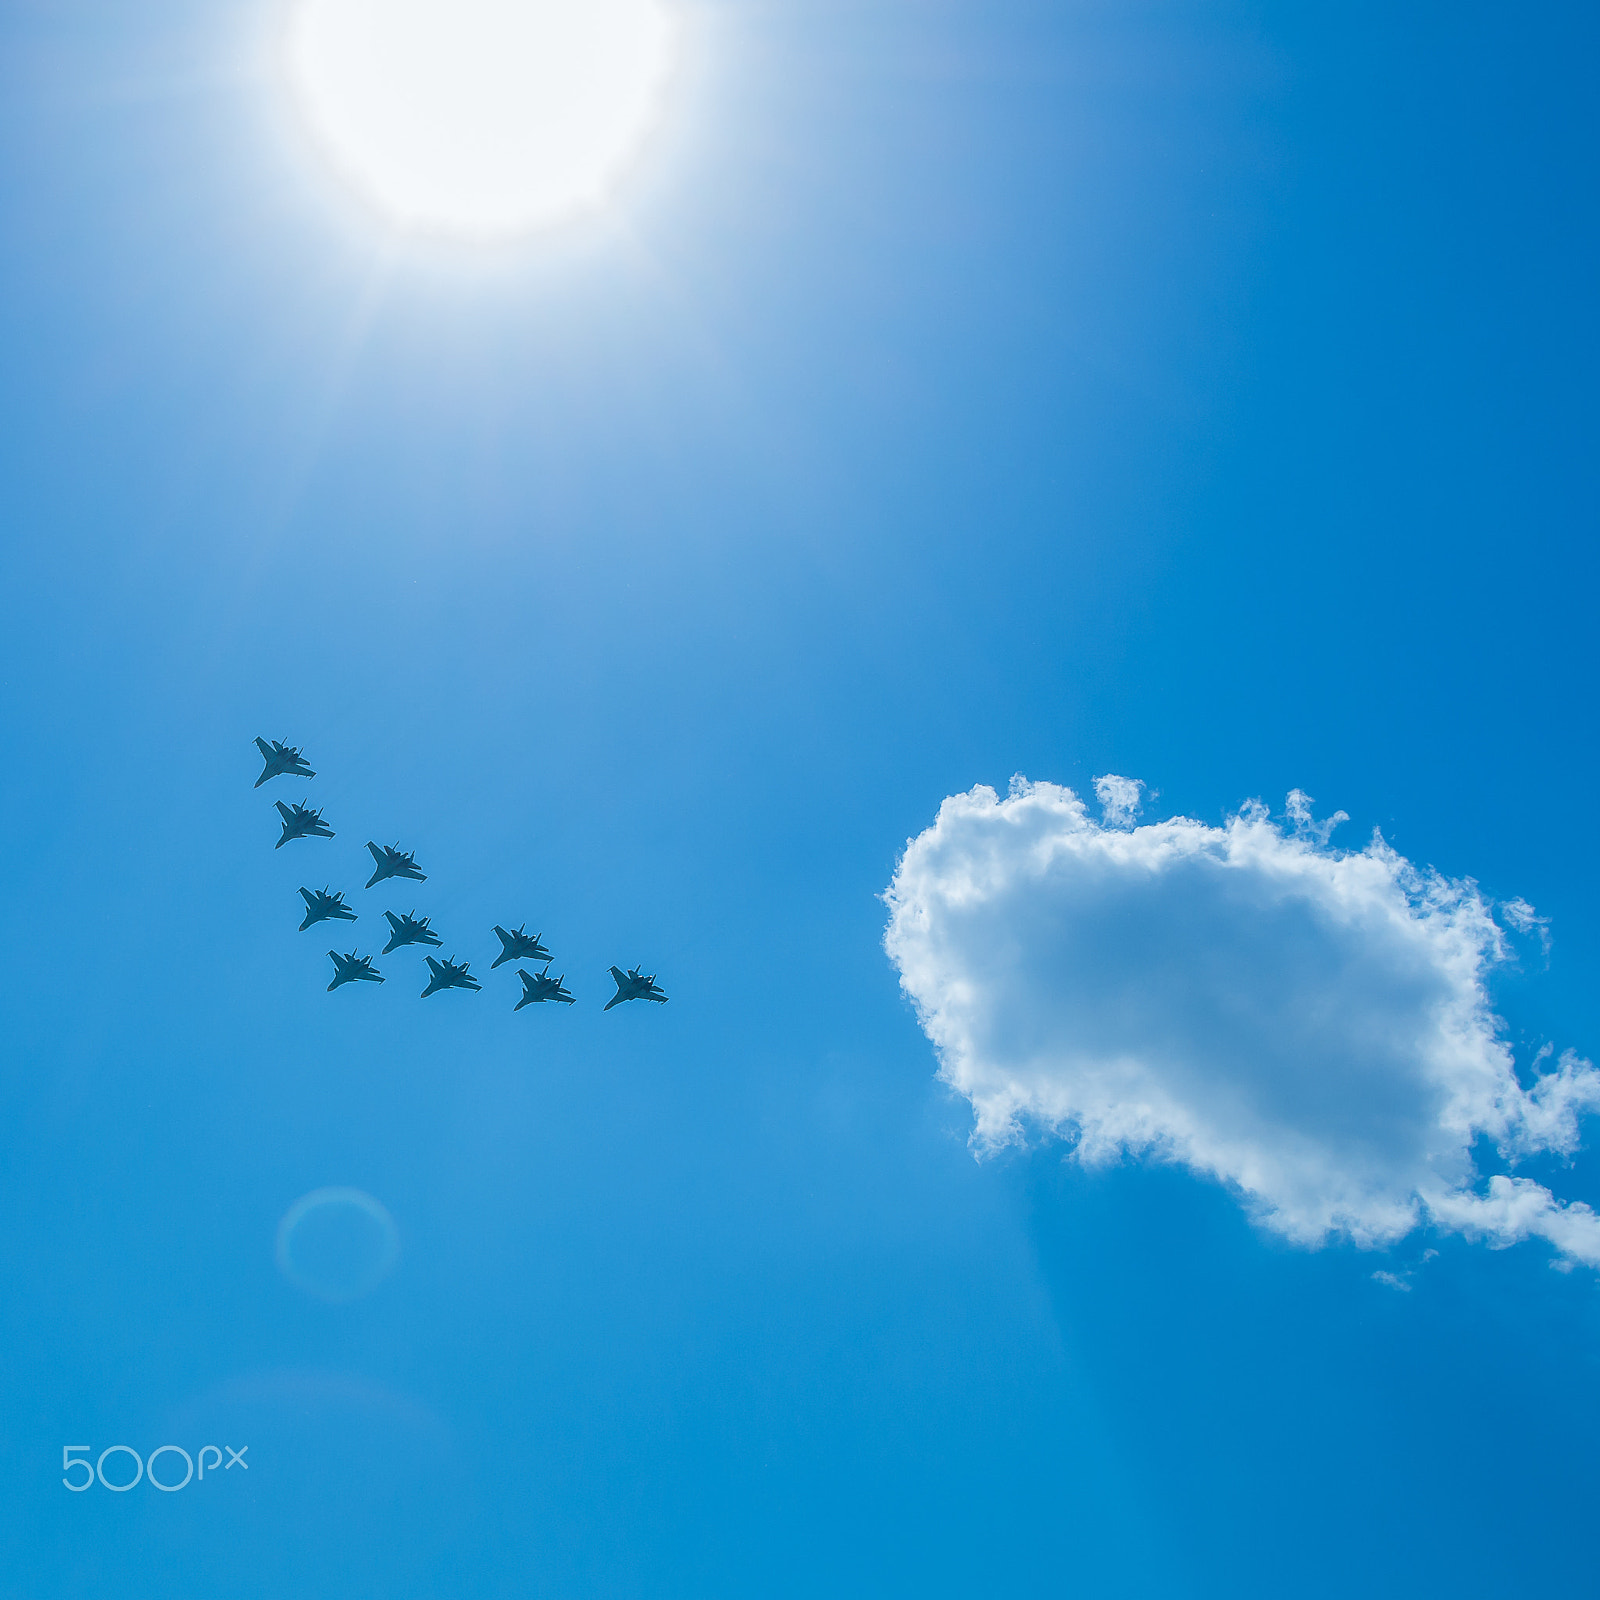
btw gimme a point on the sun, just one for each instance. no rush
(483, 118)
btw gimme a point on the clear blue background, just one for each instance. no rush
(1197, 392)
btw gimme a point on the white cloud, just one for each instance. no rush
(1306, 1025)
(1298, 807)
(1119, 799)
(1520, 915)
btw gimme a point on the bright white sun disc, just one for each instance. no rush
(483, 117)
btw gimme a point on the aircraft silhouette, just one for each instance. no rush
(518, 947)
(409, 929)
(352, 969)
(543, 987)
(281, 759)
(632, 986)
(393, 862)
(301, 822)
(448, 975)
(321, 906)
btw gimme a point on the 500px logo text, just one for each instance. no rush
(76, 1455)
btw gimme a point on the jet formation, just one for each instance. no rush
(302, 821)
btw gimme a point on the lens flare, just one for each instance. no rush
(337, 1244)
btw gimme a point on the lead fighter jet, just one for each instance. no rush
(632, 986)
(448, 975)
(518, 947)
(393, 862)
(351, 969)
(321, 906)
(301, 822)
(280, 759)
(544, 987)
(409, 929)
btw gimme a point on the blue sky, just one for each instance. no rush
(1193, 393)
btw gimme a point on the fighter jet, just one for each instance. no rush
(409, 929)
(393, 862)
(632, 986)
(518, 947)
(448, 975)
(544, 987)
(351, 969)
(280, 759)
(301, 822)
(321, 906)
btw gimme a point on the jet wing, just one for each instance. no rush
(434, 966)
(265, 749)
(284, 811)
(309, 898)
(620, 976)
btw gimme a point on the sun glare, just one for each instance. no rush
(484, 118)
